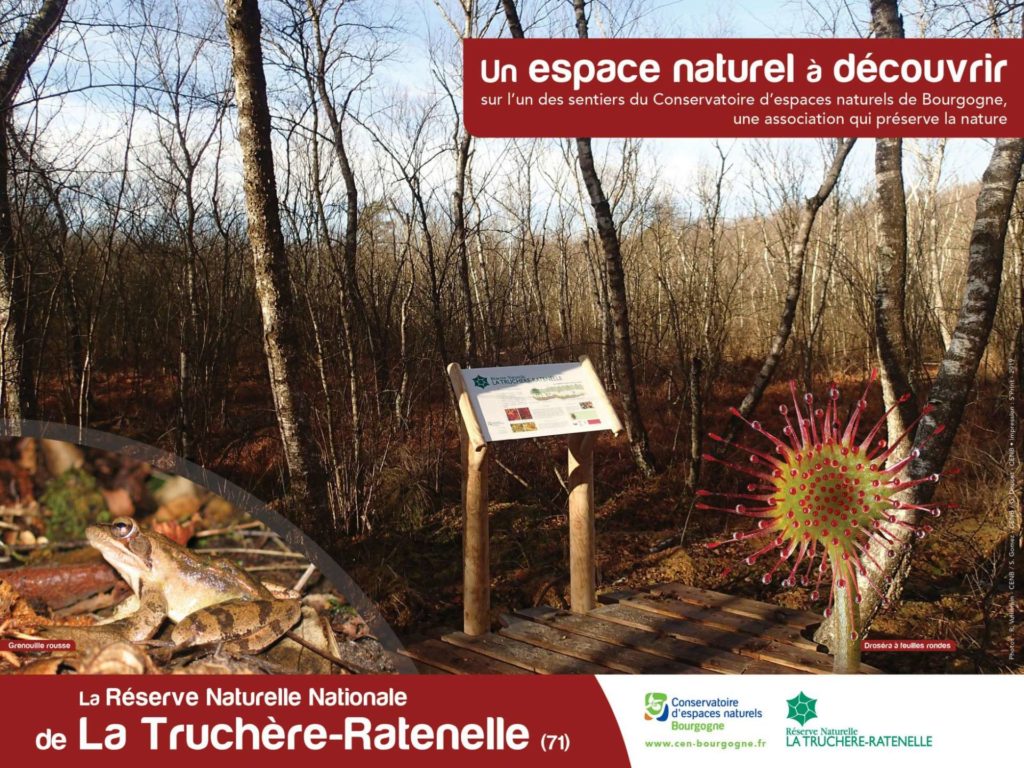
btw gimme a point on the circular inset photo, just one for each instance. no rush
(109, 565)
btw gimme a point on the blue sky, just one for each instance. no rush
(679, 160)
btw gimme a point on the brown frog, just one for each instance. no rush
(210, 599)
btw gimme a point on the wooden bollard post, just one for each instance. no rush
(582, 546)
(476, 567)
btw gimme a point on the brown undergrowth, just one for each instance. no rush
(648, 532)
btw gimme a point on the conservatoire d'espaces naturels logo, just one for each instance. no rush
(656, 706)
(801, 708)
(480, 382)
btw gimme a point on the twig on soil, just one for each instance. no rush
(232, 529)
(512, 474)
(346, 665)
(304, 578)
(561, 482)
(19, 510)
(280, 567)
(48, 545)
(245, 551)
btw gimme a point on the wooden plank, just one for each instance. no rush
(458, 661)
(706, 657)
(722, 619)
(628, 660)
(741, 606)
(525, 656)
(747, 645)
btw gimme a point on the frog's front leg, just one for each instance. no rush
(124, 609)
(142, 623)
(245, 626)
(136, 625)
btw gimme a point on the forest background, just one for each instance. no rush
(716, 270)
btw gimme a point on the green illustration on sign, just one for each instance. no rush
(560, 391)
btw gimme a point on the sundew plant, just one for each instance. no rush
(826, 503)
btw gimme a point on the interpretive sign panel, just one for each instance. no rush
(520, 401)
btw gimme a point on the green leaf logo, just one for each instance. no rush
(480, 382)
(656, 706)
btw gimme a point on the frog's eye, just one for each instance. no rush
(124, 527)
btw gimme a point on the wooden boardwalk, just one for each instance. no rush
(670, 629)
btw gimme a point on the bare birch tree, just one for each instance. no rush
(891, 269)
(794, 286)
(22, 51)
(955, 380)
(625, 376)
(307, 485)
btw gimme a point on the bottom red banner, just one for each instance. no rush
(450, 721)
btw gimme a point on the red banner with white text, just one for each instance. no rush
(743, 88)
(449, 721)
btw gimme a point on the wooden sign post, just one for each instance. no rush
(518, 402)
(476, 561)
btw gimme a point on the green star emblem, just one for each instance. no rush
(801, 708)
(480, 381)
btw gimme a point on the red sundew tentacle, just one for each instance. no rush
(737, 467)
(739, 509)
(788, 430)
(872, 452)
(878, 425)
(900, 465)
(903, 505)
(738, 495)
(809, 399)
(791, 579)
(754, 534)
(939, 429)
(914, 483)
(867, 553)
(885, 537)
(756, 426)
(788, 549)
(852, 425)
(821, 575)
(874, 587)
(811, 556)
(768, 574)
(850, 574)
(826, 433)
(927, 438)
(858, 412)
(801, 424)
(893, 445)
(770, 459)
(717, 544)
(831, 422)
(749, 559)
